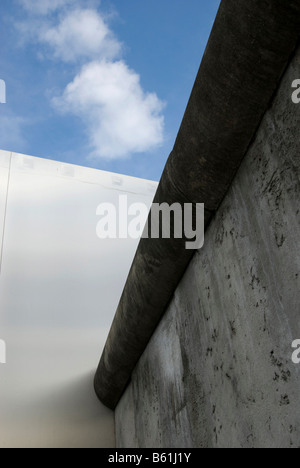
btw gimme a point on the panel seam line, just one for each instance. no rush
(5, 212)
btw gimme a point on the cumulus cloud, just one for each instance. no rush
(120, 118)
(81, 34)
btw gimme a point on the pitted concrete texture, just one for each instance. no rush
(249, 49)
(218, 370)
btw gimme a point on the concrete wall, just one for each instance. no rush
(218, 370)
(246, 56)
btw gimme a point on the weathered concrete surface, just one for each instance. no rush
(247, 53)
(218, 370)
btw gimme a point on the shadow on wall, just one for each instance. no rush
(61, 417)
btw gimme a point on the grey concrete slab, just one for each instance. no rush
(218, 371)
(248, 51)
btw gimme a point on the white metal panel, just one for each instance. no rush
(4, 176)
(59, 289)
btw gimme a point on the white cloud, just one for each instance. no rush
(44, 7)
(120, 118)
(81, 34)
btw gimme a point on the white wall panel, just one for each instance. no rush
(59, 289)
(5, 159)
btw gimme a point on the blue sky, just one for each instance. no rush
(100, 84)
